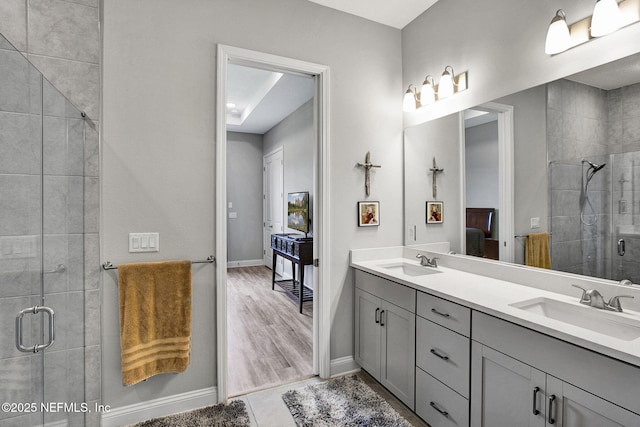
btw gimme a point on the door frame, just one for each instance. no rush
(506, 177)
(279, 150)
(321, 206)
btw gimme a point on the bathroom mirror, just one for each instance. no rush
(576, 173)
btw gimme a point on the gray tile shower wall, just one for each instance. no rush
(62, 38)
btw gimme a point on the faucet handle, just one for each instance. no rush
(614, 302)
(585, 296)
(433, 262)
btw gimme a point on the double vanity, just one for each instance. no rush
(471, 342)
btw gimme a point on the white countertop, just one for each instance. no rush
(494, 297)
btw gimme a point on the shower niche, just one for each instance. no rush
(42, 268)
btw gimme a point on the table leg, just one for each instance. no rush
(301, 285)
(293, 271)
(273, 272)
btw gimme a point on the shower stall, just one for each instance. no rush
(594, 199)
(42, 298)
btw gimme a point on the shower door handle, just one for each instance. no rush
(621, 246)
(36, 347)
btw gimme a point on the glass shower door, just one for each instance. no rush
(41, 249)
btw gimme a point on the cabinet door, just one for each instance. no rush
(398, 361)
(503, 390)
(574, 407)
(367, 333)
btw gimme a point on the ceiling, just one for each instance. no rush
(394, 14)
(262, 98)
(616, 74)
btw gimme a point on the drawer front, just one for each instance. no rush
(444, 354)
(395, 293)
(438, 405)
(446, 313)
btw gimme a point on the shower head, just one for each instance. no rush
(593, 166)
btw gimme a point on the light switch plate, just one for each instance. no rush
(144, 242)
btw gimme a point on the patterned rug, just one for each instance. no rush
(232, 415)
(345, 401)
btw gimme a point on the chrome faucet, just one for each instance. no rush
(593, 298)
(425, 261)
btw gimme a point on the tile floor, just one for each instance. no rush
(267, 409)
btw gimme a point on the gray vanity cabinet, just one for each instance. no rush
(514, 381)
(385, 333)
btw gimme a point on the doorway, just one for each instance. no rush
(488, 181)
(321, 324)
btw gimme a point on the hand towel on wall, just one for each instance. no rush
(155, 318)
(537, 250)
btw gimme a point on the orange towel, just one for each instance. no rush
(537, 250)
(155, 318)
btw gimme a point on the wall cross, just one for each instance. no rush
(436, 170)
(367, 165)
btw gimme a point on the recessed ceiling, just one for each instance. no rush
(392, 13)
(257, 99)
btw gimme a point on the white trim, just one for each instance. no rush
(160, 407)
(506, 177)
(245, 263)
(322, 300)
(463, 183)
(344, 365)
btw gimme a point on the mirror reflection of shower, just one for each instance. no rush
(591, 171)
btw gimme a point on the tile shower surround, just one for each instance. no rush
(604, 127)
(66, 183)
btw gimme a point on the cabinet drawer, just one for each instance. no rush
(395, 293)
(446, 313)
(444, 354)
(437, 404)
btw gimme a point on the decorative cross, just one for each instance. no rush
(436, 170)
(367, 165)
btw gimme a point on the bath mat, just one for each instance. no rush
(345, 401)
(232, 415)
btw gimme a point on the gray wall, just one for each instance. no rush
(158, 110)
(244, 191)
(296, 135)
(481, 166)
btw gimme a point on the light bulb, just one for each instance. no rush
(445, 87)
(606, 18)
(409, 101)
(558, 37)
(428, 93)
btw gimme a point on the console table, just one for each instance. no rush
(298, 250)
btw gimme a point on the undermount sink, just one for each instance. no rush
(593, 319)
(409, 269)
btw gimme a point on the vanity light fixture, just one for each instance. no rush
(606, 18)
(428, 92)
(558, 37)
(410, 101)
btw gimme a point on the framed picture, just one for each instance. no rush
(435, 214)
(368, 214)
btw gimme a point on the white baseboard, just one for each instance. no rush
(161, 407)
(245, 263)
(343, 365)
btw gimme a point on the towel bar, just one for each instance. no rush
(526, 235)
(107, 265)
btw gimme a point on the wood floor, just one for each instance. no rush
(269, 342)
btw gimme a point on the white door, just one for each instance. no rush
(273, 208)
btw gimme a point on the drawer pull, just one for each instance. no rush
(433, 310)
(535, 400)
(381, 321)
(442, 411)
(552, 409)
(377, 314)
(441, 356)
